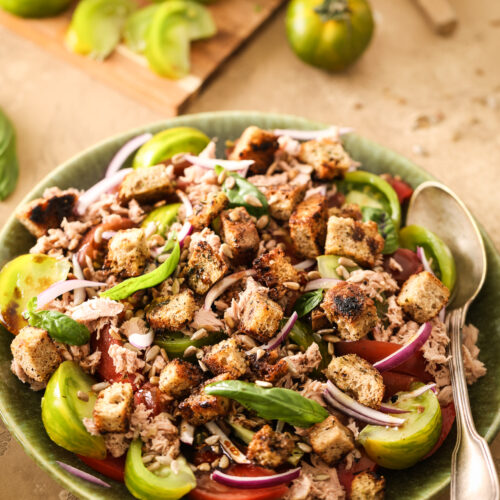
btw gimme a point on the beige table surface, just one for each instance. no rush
(408, 76)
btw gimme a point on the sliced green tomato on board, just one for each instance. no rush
(402, 447)
(167, 143)
(63, 411)
(35, 8)
(136, 27)
(22, 279)
(163, 217)
(96, 26)
(174, 25)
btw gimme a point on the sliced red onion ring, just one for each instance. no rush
(188, 206)
(282, 335)
(317, 190)
(187, 432)
(390, 409)
(82, 475)
(97, 190)
(125, 151)
(64, 286)
(321, 283)
(79, 294)
(405, 352)
(418, 392)
(308, 135)
(229, 447)
(142, 340)
(255, 482)
(185, 231)
(209, 150)
(421, 255)
(220, 287)
(233, 165)
(362, 410)
(305, 264)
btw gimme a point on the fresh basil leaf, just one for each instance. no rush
(9, 167)
(302, 335)
(307, 302)
(386, 227)
(241, 189)
(272, 404)
(59, 326)
(161, 273)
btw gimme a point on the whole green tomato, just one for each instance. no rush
(34, 8)
(329, 34)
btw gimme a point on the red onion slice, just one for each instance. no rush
(390, 409)
(188, 206)
(418, 392)
(421, 255)
(232, 165)
(405, 352)
(209, 150)
(186, 432)
(227, 444)
(255, 482)
(321, 283)
(79, 294)
(64, 286)
(82, 475)
(142, 340)
(125, 151)
(309, 135)
(362, 410)
(219, 288)
(305, 264)
(97, 190)
(185, 231)
(282, 335)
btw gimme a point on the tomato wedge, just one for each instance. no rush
(396, 382)
(111, 467)
(409, 262)
(403, 190)
(448, 416)
(208, 489)
(346, 476)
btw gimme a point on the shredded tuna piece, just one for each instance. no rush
(134, 325)
(313, 389)
(206, 319)
(374, 283)
(269, 180)
(18, 371)
(161, 437)
(199, 182)
(124, 360)
(94, 309)
(116, 443)
(90, 426)
(135, 212)
(445, 395)
(206, 235)
(303, 363)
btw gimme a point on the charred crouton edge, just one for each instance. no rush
(351, 309)
(179, 377)
(146, 185)
(226, 357)
(422, 296)
(239, 232)
(368, 485)
(347, 211)
(127, 253)
(113, 407)
(357, 378)
(283, 199)
(172, 313)
(269, 448)
(204, 212)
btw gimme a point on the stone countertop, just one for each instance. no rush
(435, 100)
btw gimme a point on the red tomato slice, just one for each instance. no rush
(207, 489)
(448, 414)
(346, 476)
(111, 467)
(403, 190)
(409, 262)
(373, 350)
(396, 382)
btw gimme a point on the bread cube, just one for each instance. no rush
(204, 212)
(283, 199)
(239, 232)
(179, 378)
(269, 448)
(368, 485)
(113, 407)
(127, 253)
(347, 211)
(172, 313)
(226, 357)
(147, 185)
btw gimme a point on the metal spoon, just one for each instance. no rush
(438, 209)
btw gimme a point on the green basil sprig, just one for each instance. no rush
(386, 227)
(161, 273)
(307, 302)
(60, 327)
(241, 189)
(9, 167)
(272, 404)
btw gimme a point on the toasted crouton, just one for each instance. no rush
(308, 226)
(179, 377)
(326, 156)
(257, 145)
(147, 185)
(356, 377)
(348, 211)
(351, 309)
(422, 296)
(368, 485)
(199, 408)
(206, 211)
(269, 367)
(127, 252)
(226, 357)
(360, 241)
(275, 268)
(331, 440)
(113, 407)
(42, 214)
(319, 321)
(172, 313)
(283, 199)
(240, 234)
(35, 352)
(269, 448)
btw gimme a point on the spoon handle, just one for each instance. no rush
(473, 474)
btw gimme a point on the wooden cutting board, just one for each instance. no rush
(129, 73)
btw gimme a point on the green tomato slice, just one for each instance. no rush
(63, 411)
(35, 8)
(22, 279)
(164, 217)
(402, 447)
(96, 26)
(163, 484)
(362, 199)
(175, 343)
(327, 265)
(168, 143)
(136, 27)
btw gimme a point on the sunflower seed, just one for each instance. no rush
(260, 353)
(154, 466)
(331, 348)
(175, 287)
(215, 463)
(226, 250)
(263, 383)
(221, 305)
(212, 439)
(344, 261)
(291, 285)
(199, 334)
(230, 183)
(222, 177)
(252, 200)
(154, 380)
(224, 462)
(205, 466)
(322, 477)
(203, 366)
(342, 271)
(230, 321)
(271, 244)
(82, 395)
(330, 338)
(313, 275)
(263, 221)
(304, 447)
(190, 351)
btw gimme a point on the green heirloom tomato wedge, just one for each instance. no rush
(96, 26)
(22, 279)
(443, 263)
(168, 143)
(9, 166)
(175, 343)
(327, 265)
(164, 217)
(136, 27)
(163, 484)
(402, 447)
(329, 34)
(35, 8)
(63, 411)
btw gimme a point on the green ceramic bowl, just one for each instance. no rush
(20, 407)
